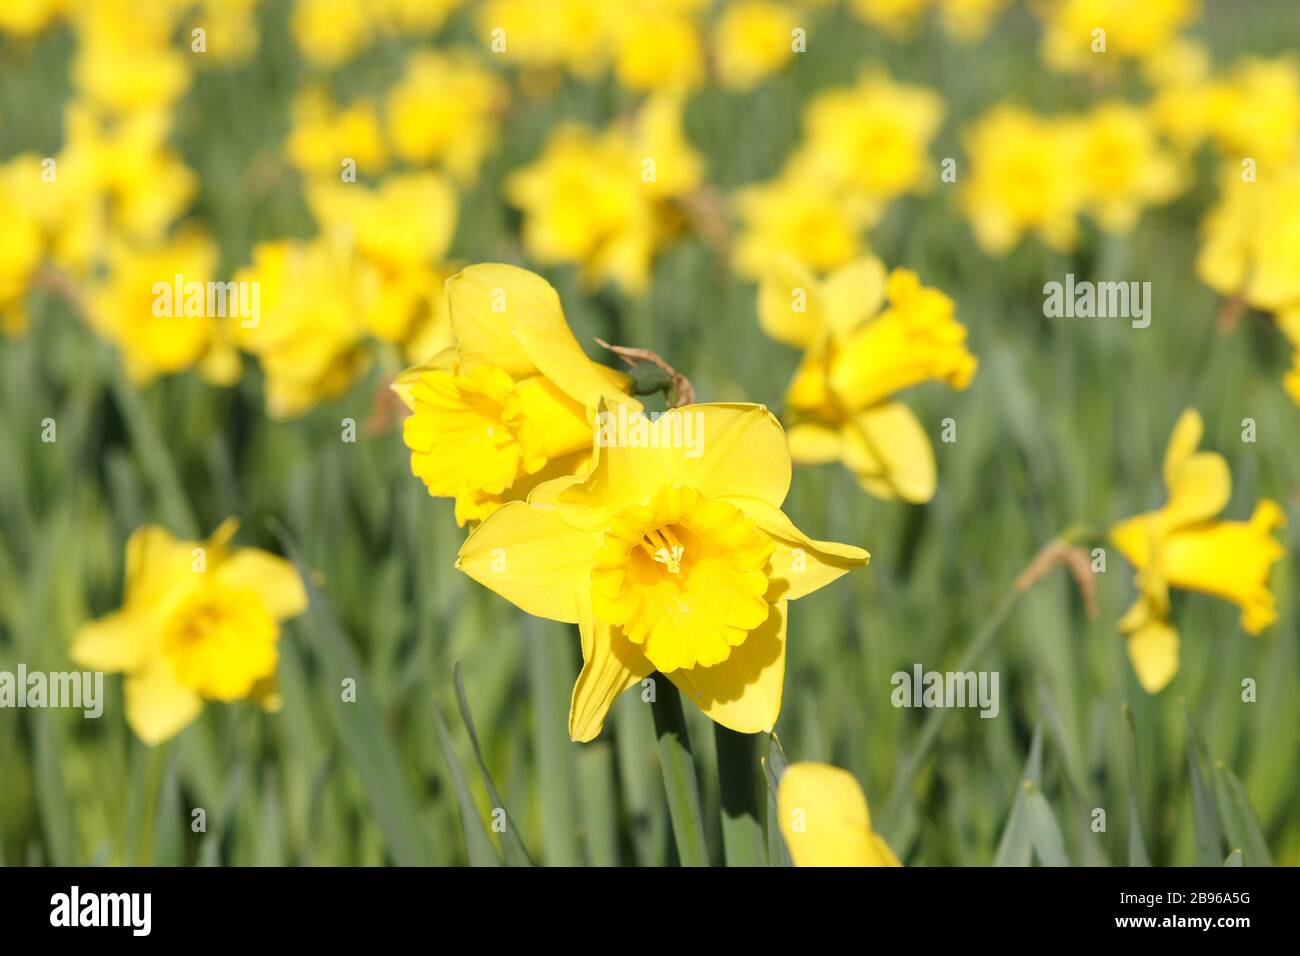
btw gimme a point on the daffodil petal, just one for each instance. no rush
(484, 300)
(115, 642)
(743, 693)
(1184, 440)
(726, 449)
(1199, 489)
(815, 444)
(158, 707)
(531, 557)
(272, 578)
(610, 665)
(890, 454)
(790, 304)
(1153, 649)
(799, 565)
(854, 293)
(825, 821)
(404, 384)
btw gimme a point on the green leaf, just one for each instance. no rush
(477, 842)
(774, 764)
(1234, 859)
(1238, 817)
(551, 670)
(1044, 831)
(1016, 846)
(515, 852)
(1137, 847)
(599, 804)
(367, 742)
(1205, 822)
(678, 766)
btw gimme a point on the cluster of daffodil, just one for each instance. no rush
(665, 46)
(1037, 174)
(99, 219)
(863, 146)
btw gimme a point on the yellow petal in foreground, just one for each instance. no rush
(825, 820)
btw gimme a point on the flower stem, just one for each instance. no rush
(738, 779)
(678, 767)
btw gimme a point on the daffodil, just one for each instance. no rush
(130, 309)
(1183, 545)
(1023, 177)
(512, 403)
(601, 199)
(1123, 165)
(29, 17)
(1095, 35)
(331, 32)
(199, 621)
(825, 820)
(753, 39)
(324, 134)
(872, 138)
(1251, 244)
(801, 216)
(898, 17)
(657, 45)
(309, 337)
(125, 59)
(572, 34)
(400, 231)
(857, 356)
(444, 110)
(672, 556)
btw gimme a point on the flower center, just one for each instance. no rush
(684, 576)
(221, 641)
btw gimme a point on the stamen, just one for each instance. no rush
(664, 548)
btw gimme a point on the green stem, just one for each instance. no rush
(935, 718)
(678, 767)
(738, 779)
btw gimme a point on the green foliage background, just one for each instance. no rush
(1064, 426)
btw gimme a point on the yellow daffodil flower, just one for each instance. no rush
(324, 134)
(672, 555)
(444, 110)
(825, 820)
(1023, 177)
(969, 20)
(331, 32)
(752, 40)
(125, 59)
(199, 621)
(1131, 30)
(800, 216)
(657, 46)
(1182, 545)
(27, 18)
(158, 330)
(873, 138)
(1123, 165)
(572, 34)
(857, 356)
(1251, 244)
(401, 231)
(309, 336)
(601, 200)
(898, 17)
(511, 403)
